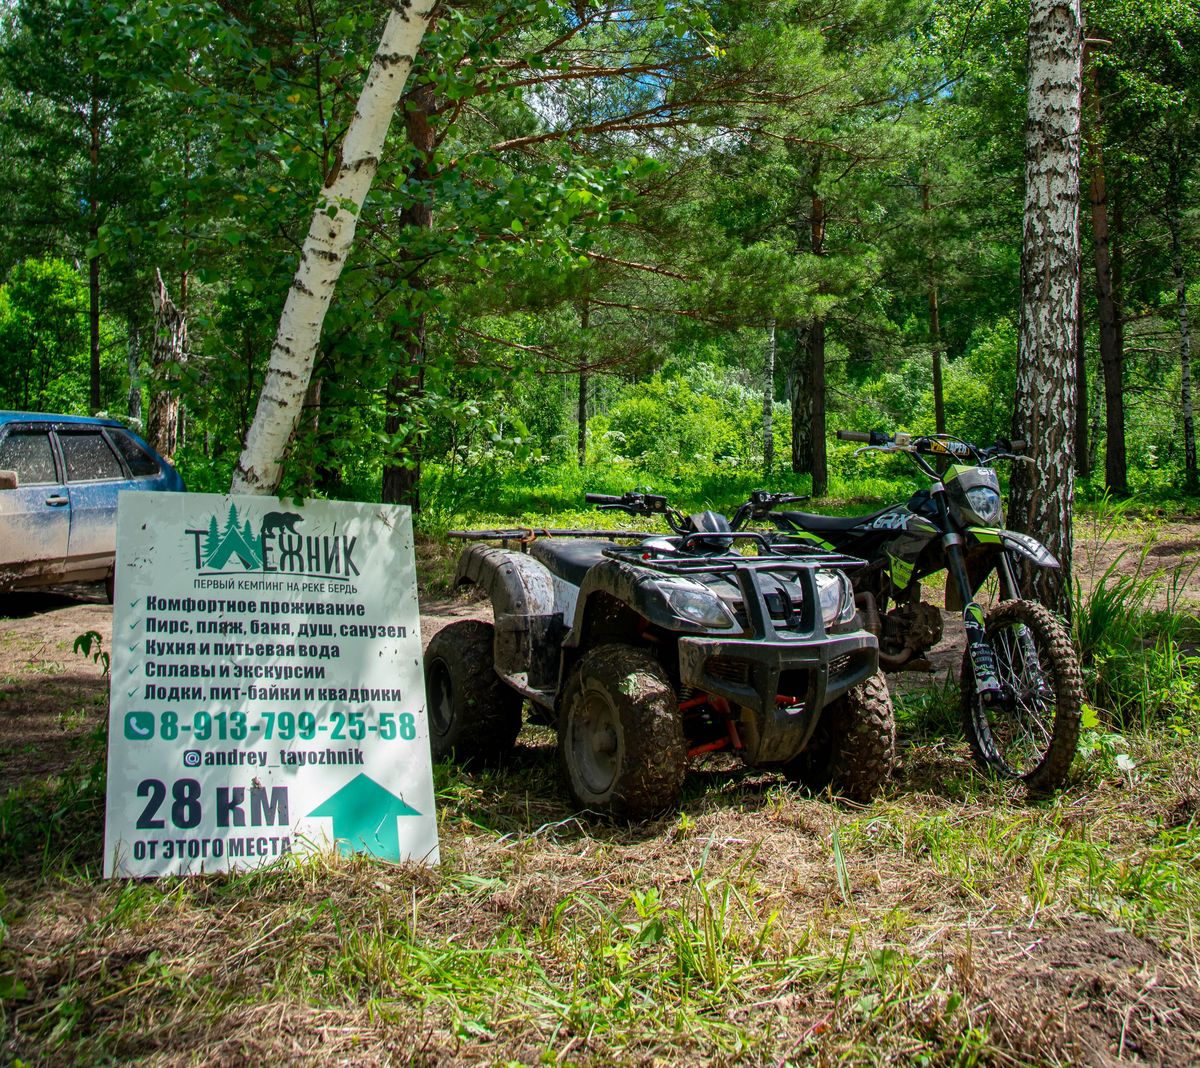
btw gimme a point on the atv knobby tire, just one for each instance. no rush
(620, 736)
(1033, 739)
(473, 716)
(853, 750)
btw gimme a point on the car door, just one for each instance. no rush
(35, 518)
(94, 478)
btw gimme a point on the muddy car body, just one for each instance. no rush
(59, 480)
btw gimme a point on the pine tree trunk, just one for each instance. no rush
(330, 238)
(1175, 223)
(1112, 356)
(935, 329)
(135, 378)
(816, 378)
(800, 395)
(581, 407)
(402, 478)
(94, 400)
(1045, 402)
(1082, 459)
(166, 364)
(769, 402)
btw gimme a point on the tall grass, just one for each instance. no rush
(1138, 641)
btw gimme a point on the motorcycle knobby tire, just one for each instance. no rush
(1060, 666)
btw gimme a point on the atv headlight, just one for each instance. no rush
(698, 605)
(837, 597)
(985, 503)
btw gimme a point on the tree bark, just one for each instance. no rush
(769, 402)
(1175, 224)
(330, 238)
(94, 400)
(581, 408)
(1112, 356)
(1045, 403)
(935, 329)
(166, 361)
(402, 477)
(809, 449)
(1082, 456)
(135, 382)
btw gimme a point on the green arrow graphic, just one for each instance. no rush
(364, 818)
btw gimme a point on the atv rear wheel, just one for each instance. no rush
(853, 750)
(620, 736)
(473, 715)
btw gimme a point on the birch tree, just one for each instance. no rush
(1045, 401)
(330, 238)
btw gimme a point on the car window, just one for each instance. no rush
(88, 456)
(28, 452)
(139, 460)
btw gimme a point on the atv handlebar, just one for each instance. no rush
(633, 503)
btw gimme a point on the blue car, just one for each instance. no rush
(59, 480)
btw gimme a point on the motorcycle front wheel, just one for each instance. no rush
(1030, 731)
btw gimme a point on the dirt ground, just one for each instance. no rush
(1091, 992)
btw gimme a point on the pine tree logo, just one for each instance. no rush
(232, 540)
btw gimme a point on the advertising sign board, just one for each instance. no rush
(267, 691)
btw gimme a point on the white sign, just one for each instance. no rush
(267, 690)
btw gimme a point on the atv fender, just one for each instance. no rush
(614, 597)
(530, 606)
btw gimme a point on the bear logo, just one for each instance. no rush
(275, 521)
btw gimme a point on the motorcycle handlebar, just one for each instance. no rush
(854, 435)
(602, 498)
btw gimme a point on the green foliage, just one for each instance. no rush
(43, 338)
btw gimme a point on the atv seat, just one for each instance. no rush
(569, 558)
(834, 524)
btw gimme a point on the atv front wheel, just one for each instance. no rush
(473, 715)
(853, 750)
(620, 737)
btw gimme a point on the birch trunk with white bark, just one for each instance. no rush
(1045, 402)
(330, 238)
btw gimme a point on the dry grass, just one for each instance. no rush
(759, 925)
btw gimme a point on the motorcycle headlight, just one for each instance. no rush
(698, 605)
(985, 503)
(837, 597)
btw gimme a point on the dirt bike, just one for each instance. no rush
(1021, 684)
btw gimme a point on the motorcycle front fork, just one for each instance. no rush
(983, 660)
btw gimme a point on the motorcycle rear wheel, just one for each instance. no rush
(1032, 731)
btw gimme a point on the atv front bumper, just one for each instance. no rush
(781, 684)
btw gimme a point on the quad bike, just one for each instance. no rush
(1021, 684)
(645, 655)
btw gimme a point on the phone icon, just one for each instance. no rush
(139, 726)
